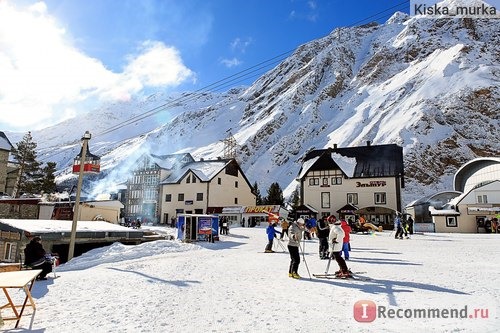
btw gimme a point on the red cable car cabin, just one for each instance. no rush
(92, 162)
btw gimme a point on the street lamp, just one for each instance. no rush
(85, 162)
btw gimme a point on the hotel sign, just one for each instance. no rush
(372, 183)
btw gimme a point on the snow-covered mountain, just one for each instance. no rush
(429, 85)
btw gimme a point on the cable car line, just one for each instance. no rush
(215, 86)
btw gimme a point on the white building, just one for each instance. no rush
(367, 180)
(204, 187)
(479, 180)
(143, 199)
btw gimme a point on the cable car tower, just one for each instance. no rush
(230, 146)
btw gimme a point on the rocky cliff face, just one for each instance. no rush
(429, 85)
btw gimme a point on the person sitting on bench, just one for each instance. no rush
(36, 257)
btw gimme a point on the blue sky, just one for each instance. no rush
(58, 57)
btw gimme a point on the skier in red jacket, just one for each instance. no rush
(347, 238)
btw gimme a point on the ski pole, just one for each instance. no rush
(328, 264)
(305, 262)
(281, 244)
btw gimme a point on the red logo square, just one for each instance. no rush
(365, 311)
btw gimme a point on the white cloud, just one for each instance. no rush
(44, 75)
(240, 45)
(231, 62)
(154, 65)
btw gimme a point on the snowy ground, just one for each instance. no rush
(231, 286)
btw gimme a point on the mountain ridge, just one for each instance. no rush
(429, 85)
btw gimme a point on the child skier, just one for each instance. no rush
(271, 234)
(336, 239)
(347, 238)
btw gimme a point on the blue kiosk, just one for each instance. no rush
(197, 227)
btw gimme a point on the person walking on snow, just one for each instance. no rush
(336, 239)
(271, 234)
(284, 228)
(347, 238)
(398, 225)
(323, 232)
(294, 237)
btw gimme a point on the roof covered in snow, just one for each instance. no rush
(38, 227)
(171, 161)
(357, 162)
(204, 170)
(4, 142)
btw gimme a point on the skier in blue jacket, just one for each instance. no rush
(271, 234)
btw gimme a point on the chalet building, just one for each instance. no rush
(5, 148)
(354, 181)
(479, 182)
(203, 187)
(143, 190)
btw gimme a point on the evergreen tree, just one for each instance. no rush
(258, 197)
(29, 175)
(295, 199)
(48, 184)
(275, 195)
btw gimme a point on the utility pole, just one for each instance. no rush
(85, 141)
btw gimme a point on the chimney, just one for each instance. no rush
(368, 143)
(202, 159)
(219, 158)
(334, 146)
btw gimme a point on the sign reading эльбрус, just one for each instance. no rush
(456, 8)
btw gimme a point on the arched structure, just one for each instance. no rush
(476, 172)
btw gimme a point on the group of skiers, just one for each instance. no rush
(333, 235)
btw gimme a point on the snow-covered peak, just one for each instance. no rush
(427, 85)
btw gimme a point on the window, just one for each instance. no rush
(219, 181)
(451, 221)
(180, 197)
(236, 184)
(199, 196)
(150, 180)
(337, 180)
(352, 198)
(193, 179)
(150, 194)
(380, 198)
(9, 249)
(325, 199)
(168, 197)
(482, 199)
(235, 201)
(188, 179)
(313, 181)
(325, 181)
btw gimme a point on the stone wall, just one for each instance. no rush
(4, 155)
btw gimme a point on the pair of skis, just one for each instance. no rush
(352, 276)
